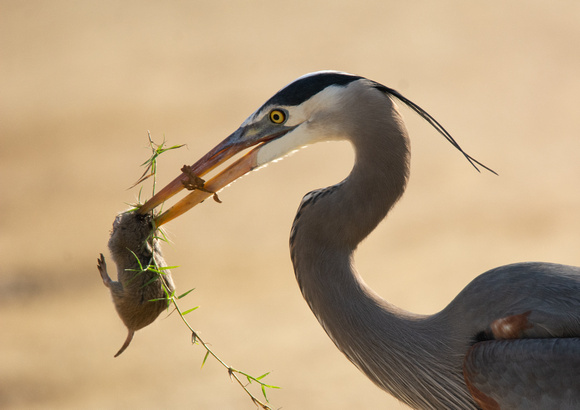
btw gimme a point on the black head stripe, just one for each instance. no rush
(304, 88)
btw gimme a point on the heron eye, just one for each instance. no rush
(277, 116)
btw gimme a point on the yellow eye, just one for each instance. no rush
(277, 116)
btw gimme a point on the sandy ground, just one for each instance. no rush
(82, 82)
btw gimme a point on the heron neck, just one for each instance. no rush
(330, 224)
(380, 339)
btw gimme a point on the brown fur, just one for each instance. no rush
(135, 289)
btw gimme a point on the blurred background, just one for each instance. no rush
(82, 83)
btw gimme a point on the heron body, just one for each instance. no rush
(509, 340)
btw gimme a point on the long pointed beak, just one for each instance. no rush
(225, 150)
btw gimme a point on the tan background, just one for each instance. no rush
(82, 82)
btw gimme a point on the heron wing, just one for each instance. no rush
(525, 373)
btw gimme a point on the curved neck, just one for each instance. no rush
(394, 348)
(334, 220)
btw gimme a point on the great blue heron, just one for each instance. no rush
(509, 340)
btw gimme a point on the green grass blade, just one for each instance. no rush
(204, 359)
(264, 393)
(162, 268)
(262, 376)
(189, 311)
(186, 293)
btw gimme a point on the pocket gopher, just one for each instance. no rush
(137, 289)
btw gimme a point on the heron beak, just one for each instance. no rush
(243, 138)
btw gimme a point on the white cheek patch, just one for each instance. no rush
(300, 137)
(283, 146)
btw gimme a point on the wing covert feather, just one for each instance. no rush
(525, 373)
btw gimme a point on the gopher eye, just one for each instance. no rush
(277, 116)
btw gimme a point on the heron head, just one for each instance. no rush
(321, 106)
(302, 113)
